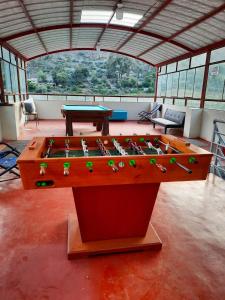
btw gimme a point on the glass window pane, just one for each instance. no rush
(193, 103)
(183, 64)
(159, 86)
(168, 101)
(190, 83)
(180, 102)
(6, 77)
(216, 81)
(163, 85)
(163, 70)
(182, 83)
(169, 85)
(171, 67)
(22, 81)
(199, 74)
(198, 60)
(5, 54)
(175, 84)
(14, 78)
(217, 55)
(13, 59)
(214, 105)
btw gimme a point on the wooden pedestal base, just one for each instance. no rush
(76, 248)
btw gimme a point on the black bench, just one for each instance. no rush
(171, 119)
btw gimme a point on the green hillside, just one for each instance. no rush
(90, 72)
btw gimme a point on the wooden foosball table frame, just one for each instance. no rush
(114, 195)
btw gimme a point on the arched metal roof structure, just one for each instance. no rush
(168, 29)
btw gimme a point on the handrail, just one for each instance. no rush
(94, 98)
(217, 148)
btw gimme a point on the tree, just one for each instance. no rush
(41, 76)
(79, 75)
(60, 77)
(31, 86)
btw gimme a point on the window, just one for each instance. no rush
(169, 85)
(199, 74)
(163, 85)
(180, 102)
(193, 103)
(217, 55)
(183, 64)
(163, 70)
(22, 81)
(14, 77)
(175, 84)
(6, 77)
(215, 105)
(128, 19)
(13, 59)
(103, 16)
(190, 83)
(5, 54)
(198, 60)
(159, 85)
(216, 82)
(168, 101)
(171, 67)
(182, 83)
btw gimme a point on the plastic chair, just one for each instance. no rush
(8, 163)
(148, 115)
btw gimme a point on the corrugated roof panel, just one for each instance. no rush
(162, 30)
(208, 32)
(113, 38)
(140, 43)
(52, 21)
(164, 52)
(191, 37)
(85, 37)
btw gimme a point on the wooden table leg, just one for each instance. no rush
(69, 127)
(105, 127)
(99, 126)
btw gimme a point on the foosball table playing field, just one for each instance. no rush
(115, 181)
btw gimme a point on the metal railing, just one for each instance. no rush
(218, 149)
(91, 98)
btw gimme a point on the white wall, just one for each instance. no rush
(207, 122)
(51, 109)
(198, 123)
(10, 117)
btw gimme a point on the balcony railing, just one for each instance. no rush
(91, 98)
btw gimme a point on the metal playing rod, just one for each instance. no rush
(84, 147)
(67, 147)
(184, 168)
(51, 142)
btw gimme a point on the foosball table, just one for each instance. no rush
(115, 181)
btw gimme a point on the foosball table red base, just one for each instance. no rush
(78, 249)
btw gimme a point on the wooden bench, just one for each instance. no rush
(171, 119)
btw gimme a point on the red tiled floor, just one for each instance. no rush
(57, 128)
(189, 218)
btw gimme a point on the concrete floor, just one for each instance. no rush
(188, 216)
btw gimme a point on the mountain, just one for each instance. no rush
(90, 73)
